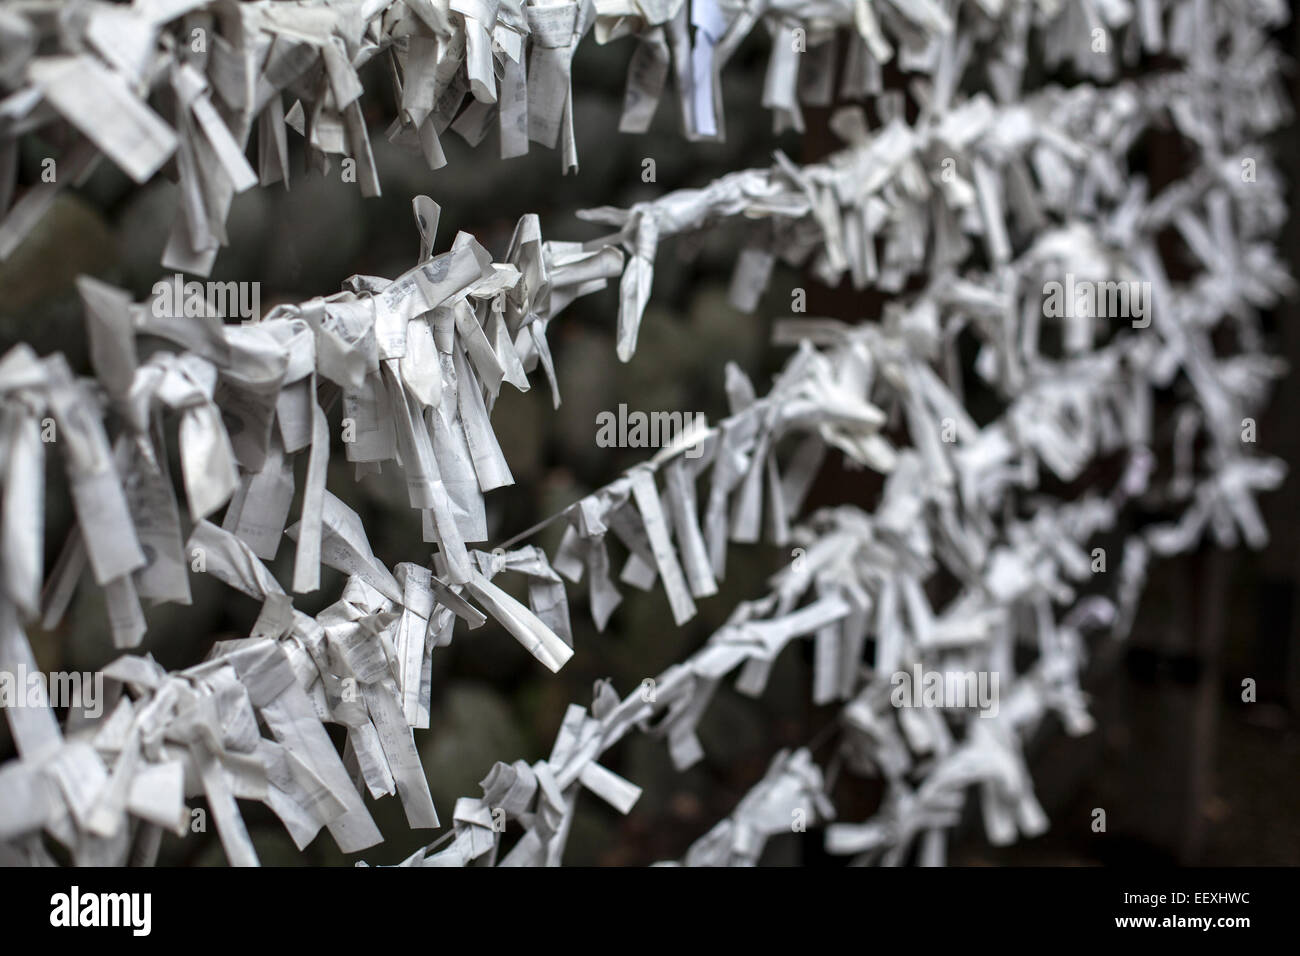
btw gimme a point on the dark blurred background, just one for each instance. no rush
(1186, 771)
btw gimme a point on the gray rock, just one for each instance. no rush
(520, 421)
(317, 233)
(40, 305)
(144, 223)
(589, 376)
(472, 727)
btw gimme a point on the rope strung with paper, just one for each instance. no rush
(377, 639)
(129, 524)
(417, 362)
(181, 85)
(866, 575)
(847, 585)
(1053, 161)
(289, 678)
(374, 644)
